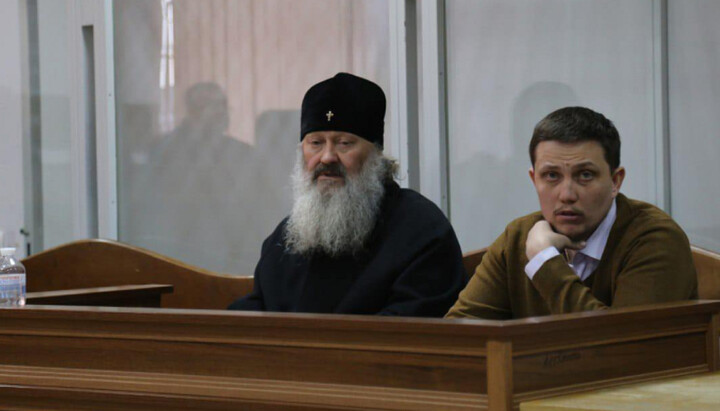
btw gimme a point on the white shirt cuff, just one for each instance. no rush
(540, 258)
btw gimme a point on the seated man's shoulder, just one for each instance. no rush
(641, 218)
(277, 237)
(408, 214)
(517, 229)
(512, 239)
(411, 205)
(525, 222)
(645, 228)
(280, 228)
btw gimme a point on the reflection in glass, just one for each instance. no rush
(511, 63)
(694, 104)
(55, 124)
(208, 98)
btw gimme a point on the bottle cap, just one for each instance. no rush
(7, 251)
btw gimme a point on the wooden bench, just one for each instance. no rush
(707, 265)
(105, 263)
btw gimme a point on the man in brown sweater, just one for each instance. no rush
(589, 247)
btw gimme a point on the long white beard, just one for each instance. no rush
(336, 220)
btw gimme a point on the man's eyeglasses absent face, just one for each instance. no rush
(575, 186)
(332, 155)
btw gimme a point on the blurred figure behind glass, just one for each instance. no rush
(190, 197)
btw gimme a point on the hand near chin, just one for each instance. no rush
(542, 236)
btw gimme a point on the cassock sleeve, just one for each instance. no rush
(432, 280)
(253, 301)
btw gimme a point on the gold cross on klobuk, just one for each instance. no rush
(329, 115)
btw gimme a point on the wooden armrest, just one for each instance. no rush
(105, 263)
(145, 295)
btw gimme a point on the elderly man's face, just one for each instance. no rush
(574, 186)
(330, 155)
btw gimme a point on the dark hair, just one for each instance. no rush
(575, 124)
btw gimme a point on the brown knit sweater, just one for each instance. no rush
(646, 260)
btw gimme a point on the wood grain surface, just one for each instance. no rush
(147, 295)
(143, 358)
(104, 263)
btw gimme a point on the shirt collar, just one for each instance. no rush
(595, 245)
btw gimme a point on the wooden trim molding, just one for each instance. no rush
(500, 375)
(146, 295)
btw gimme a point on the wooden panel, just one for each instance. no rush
(103, 390)
(407, 335)
(500, 375)
(102, 263)
(713, 345)
(707, 265)
(615, 331)
(607, 362)
(231, 360)
(321, 365)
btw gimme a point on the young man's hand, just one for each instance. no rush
(542, 236)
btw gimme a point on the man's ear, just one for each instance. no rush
(617, 179)
(531, 173)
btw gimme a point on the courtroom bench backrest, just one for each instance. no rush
(707, 265)
(472, 259)
(101, 263)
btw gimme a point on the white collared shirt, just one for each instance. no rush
(585, 260)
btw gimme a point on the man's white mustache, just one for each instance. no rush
(334, 169)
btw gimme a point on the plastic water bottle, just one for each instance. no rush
(12, 279)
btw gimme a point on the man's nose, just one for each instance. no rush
(568, 191)
(329, 155)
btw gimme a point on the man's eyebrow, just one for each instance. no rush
(545, 166)
(585, 164)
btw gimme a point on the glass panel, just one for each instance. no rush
(208, 99)
(694, 95)
(11, 132)
(54, 117)
(511, 63)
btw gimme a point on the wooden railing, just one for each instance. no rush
(122, 358)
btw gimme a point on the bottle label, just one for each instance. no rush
(11, 282)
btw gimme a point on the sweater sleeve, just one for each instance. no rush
(659, 268)
(562, 289)
(656, 267)
(486, 295)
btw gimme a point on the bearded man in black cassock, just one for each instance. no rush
(355, 242)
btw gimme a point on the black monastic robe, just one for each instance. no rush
(412, 267)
